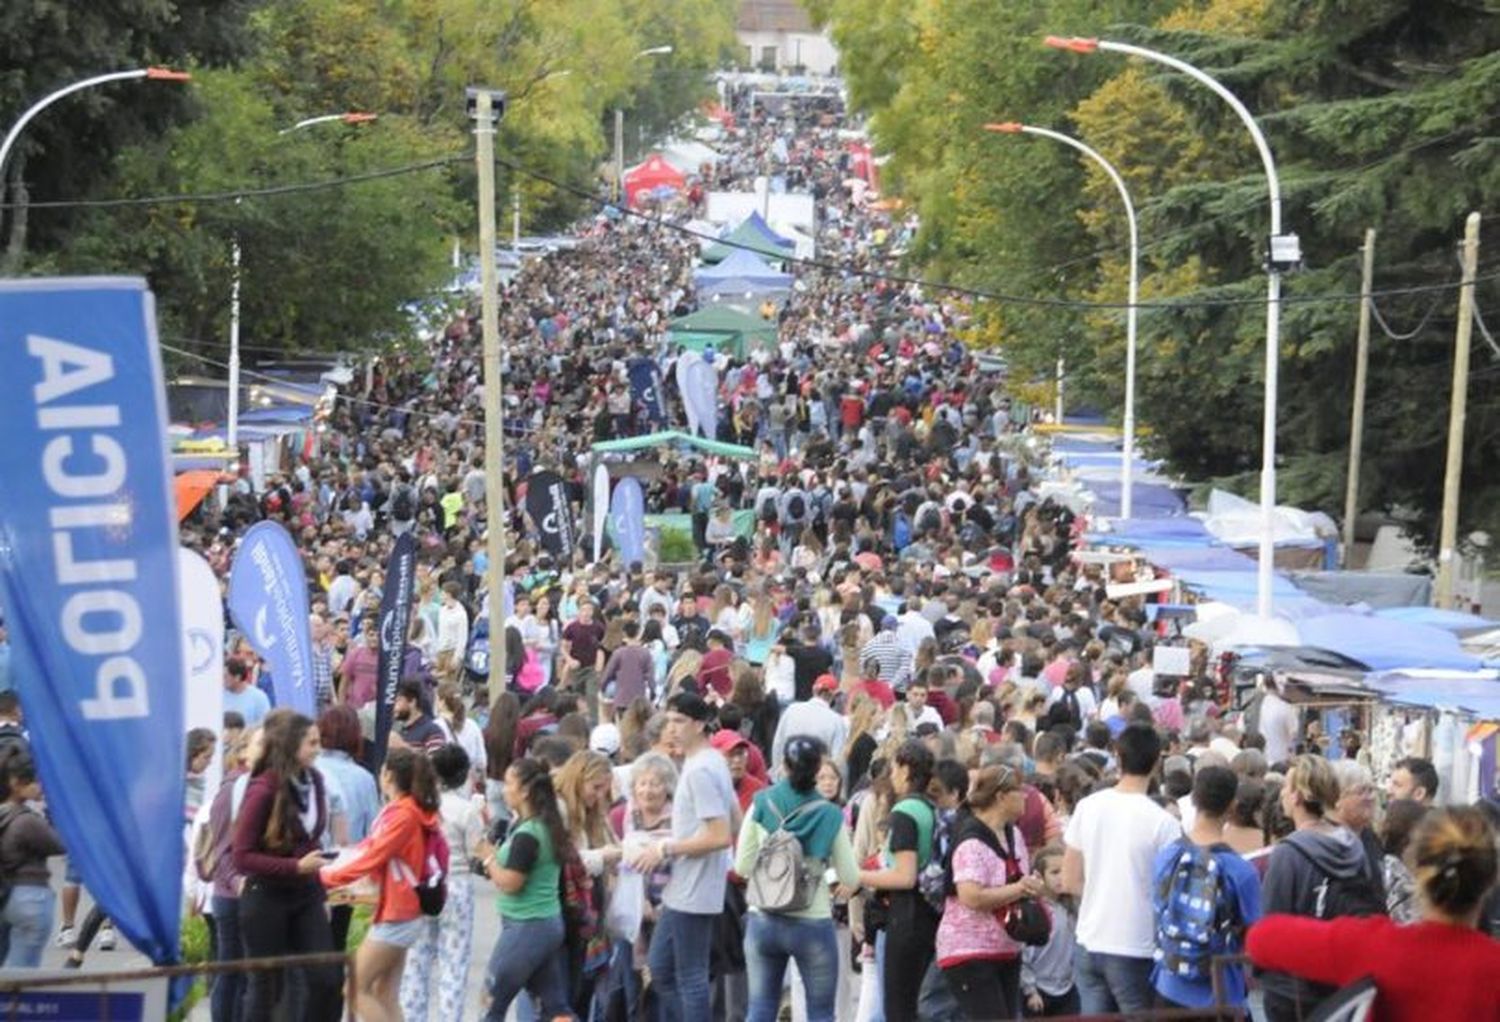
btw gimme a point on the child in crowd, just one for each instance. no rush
(1047, 972)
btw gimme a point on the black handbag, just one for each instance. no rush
(1026, 920)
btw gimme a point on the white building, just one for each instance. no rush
(777, 35)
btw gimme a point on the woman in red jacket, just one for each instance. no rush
(393, 855)
(1440, 967)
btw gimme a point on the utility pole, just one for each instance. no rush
(1057, 413)
(1357, 418)
(1448, 538)
(515, 222)
(487, 106)
(619, 187)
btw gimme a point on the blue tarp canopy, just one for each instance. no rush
(1386, 644)
(1476, 694)
(1151, 501)
(1436, 617)
(742, 265)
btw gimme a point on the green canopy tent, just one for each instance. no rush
(728, 330)
(673, 437)
(753, 235)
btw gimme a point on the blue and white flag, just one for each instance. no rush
(702, 393)
(268, 602)
(88, 578)
(645, 385)
(203, 652)
(627, 512)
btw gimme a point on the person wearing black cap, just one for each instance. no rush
(704, 817)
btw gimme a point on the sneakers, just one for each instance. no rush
(65, 937)
(106, 938)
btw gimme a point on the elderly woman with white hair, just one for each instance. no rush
(1355, 810)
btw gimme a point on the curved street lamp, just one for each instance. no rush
(232, 425)
(1127, 454)
(159, 74)
(1284, 253)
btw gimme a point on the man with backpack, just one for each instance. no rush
(794, 507)
(1205, 895)
(1318, 871)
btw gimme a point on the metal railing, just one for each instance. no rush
(12, 1008)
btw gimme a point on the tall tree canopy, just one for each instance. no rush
(1381, 114)
(326, 267)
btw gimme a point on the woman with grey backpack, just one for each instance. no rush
(790, 840)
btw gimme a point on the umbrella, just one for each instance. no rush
(868, 560)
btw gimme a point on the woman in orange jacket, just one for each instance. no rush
(392, 854)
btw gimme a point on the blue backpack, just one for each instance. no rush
(1196, 916)
(901, 531)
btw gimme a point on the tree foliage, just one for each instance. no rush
(1381, 114)
(328, 267)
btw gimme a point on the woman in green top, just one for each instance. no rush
(805, 934)
(527, 869)
(905, 947)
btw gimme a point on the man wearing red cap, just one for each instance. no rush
(814, 717)
(736, 749)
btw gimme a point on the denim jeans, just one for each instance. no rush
(226, 1000)
(770, 940)
(27, 921)
(1112, 983)
(528, 956)
(680, 950)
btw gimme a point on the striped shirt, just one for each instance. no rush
(893, 656)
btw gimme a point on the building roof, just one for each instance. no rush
(773, 16)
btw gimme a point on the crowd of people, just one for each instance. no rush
(889, 751)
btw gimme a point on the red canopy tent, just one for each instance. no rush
(654, 173)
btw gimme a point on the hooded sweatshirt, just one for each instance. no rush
(393, 853)
(1292, 887)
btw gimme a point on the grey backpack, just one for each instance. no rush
(782, 879)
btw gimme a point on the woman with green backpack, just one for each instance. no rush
(790, 839)
(910, 934)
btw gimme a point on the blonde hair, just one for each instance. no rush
(588, 825)
(1313, 781)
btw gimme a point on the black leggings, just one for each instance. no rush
(910, 936)
(986, 989)
(284, 920)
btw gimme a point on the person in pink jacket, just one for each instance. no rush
(392, 854)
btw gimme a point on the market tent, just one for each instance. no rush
(654, 173)
(672, 437)
(689, 156)
(728, 330)
(742, 265)
(1386, 644)
(191, 487)
(752, 234)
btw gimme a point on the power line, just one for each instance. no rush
(270, 191)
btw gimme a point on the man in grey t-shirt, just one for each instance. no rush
(704, 820)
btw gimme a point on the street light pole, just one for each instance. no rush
(1284, 253)
(487, 106)
(618, 192)
(232, 427)
(159, 74)
(1127, 456)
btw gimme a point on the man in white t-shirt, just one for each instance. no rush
(1278, 723)
(1111, 845)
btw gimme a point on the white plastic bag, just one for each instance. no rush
(627, 905)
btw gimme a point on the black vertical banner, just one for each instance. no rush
(547, 504)
(395, 617)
